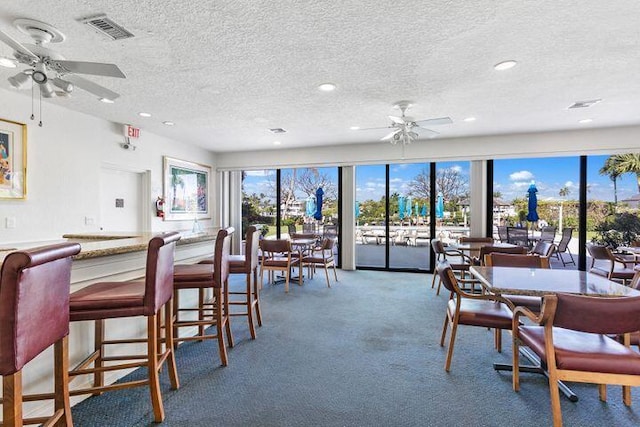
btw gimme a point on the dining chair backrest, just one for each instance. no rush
(548, 234)
(309, 228)
(445, 273)
(438, 247)
(291, 229)
(275, 246)
(567, 233)
(518, 236)
(502, 233)
(222, 250)
(597, 315)
(543, 248)
(516, 260)
(303, 236)
(330, 231)
(501, 249)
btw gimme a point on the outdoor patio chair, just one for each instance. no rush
(502, 234)
(569, 337)
(548, 234)
(291, 229)
(484, 310)
(543, 248)
(461, 268)
(603, 263)
(563, 246)
(518, 236)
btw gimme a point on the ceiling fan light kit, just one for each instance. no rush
(47, 69)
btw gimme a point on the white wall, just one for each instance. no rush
(64, 160)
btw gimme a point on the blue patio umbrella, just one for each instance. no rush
(532, 215)
(417, 209)
(409, 207)
(401, 206)
(311, 206)
(424, 210)
(440, 206)
(357, 209)
(319, 194)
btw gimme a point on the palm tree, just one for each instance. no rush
(629, 163)
(611, 168)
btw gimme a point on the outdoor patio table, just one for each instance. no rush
(542, 281)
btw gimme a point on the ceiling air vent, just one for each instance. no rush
(277, 130)
(104, 25)
(584, 104)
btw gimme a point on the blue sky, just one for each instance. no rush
(512, 177)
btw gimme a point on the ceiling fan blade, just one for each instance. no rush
(15, 45)
(427, 132)
(384, 127)
(433, 122)
(93, 68)
(389, 136)
(397, 120)
(91, 87)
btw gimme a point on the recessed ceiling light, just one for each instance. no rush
(327, 87)
(505, 65)
(8, 62)
(107, 100)
(469, 119)
(144, 114)
(354, 127)
(277, 142)
(168, 123)
(583, 121)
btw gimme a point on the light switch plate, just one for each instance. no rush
(10, 222)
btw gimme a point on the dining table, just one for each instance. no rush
(543, 281)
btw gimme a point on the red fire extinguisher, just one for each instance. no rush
(160, 207)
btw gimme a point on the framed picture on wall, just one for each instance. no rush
(186, 190)
(13, 160)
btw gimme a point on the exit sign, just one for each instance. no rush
(133, 132)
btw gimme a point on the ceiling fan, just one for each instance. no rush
(405, 128)
(54, 75)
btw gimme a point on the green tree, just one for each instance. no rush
(612, 169)
(629, 163)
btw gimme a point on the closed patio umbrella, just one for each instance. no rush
(409, 207)
(401, 207)
(532, 215)
(311, 206)
(319, 194)
(424, 210)
(440, 206)
(357, 209)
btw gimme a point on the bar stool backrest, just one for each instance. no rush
(159, 273)
(34, 302)
(221, 257)
(252, 248)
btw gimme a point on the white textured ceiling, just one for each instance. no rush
(227, 71)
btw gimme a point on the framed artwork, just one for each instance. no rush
(13, 160)
(186, 190)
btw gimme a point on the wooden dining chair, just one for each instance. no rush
(277, 255)
(489, 249)
(466, 239)
(570, 338)
(460, 268)
(605, 263)
(323, 257)
(484, 310)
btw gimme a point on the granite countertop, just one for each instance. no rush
(103, 244)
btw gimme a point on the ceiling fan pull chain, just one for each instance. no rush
(32, 115)
(40, 124)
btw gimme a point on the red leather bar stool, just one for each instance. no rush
(110, 300)
(34, 314)
(214, 312)
(246, 264)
